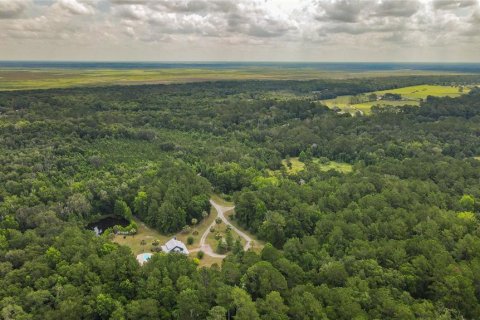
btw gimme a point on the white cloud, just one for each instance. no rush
(75, 7)
(245, 28)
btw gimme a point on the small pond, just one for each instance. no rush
(105, 223)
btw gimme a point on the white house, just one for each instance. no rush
(174, 245)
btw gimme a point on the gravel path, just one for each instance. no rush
(205, 247)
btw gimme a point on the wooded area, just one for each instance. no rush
(398, 237)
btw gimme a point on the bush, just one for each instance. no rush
(212, 229)
(156, 249)
(200, 254)
(218, 236)
(186, 229)
(190, 240)
(155, 243)
(218, 220)
(221, 247)
(195, 232)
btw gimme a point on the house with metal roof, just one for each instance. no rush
(175, 246)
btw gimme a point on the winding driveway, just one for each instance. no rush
(205, 247)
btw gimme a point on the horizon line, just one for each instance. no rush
(240, 61)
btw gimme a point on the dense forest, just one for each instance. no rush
(398, 237)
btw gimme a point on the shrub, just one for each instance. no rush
(190, 240)
(218, 236)
(221, 247)
(155, 243)
(195, 232)
(212, 229)
(200, 254)
(186, 229)
(218, 220)
(156, 249)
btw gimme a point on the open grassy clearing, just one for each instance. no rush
(149, 235)
(293, 165)
(333, 165)
(206, 261)
(143, 233)
(221, 229)
(45, 78)
(200, 228)
(411, 96)
(297, 165)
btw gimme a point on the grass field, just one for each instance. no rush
(221, 228)
(22, 79)
(297, 166)
(333, 165)
(143, 233)
(149, 235)
(411, 96)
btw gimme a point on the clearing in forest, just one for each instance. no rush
(296, 165)
(410, 96)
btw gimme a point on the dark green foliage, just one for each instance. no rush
(398, 238)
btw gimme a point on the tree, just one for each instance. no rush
(262, 278)
(121, 209)
(217, 313)
(272, 308)
(140, 203)
(229, 239)
(189, 306)
(467, 202)
(194, 222)
(221, 246)
(245, 308)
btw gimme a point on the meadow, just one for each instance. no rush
(296, 165)
(411, 96)
(48, 78)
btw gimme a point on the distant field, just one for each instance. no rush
(411, 96)
(23, 79)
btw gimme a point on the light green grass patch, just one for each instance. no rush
(334, 165)
(295, 165)
(22, 79)
(298, 166)
(411, 96)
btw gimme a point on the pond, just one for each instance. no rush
(105, 223)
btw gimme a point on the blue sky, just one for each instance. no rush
(241, 30)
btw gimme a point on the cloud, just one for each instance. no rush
(10, 9)
(76, 7)
(207, 18)
(395, 8)
(342, 10)
(306, 27)
(453, 4)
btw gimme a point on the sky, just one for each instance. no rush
(241, 30)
